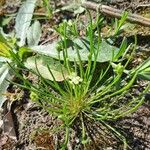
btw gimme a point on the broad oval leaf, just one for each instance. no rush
(106, 51)
(40, 64)
(23, 20)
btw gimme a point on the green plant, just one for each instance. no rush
(92, 88)
(49, 9)
(10, 46)
(7, 44)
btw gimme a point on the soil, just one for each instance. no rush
(132, 5)
(34, 127)
(136, 127)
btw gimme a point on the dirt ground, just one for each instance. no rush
(33, 127)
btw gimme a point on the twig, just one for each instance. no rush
(49, 39)
(143, 5)
(107, 10)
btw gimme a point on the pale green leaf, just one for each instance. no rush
(23, 20)
(40, 64)
(74, 7)
(106, 51)
(34, 34)
(4, 74)
(79, 10)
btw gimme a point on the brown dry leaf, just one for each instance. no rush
(8, 126)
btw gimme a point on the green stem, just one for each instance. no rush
(119, 91)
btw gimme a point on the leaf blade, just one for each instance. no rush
(39, 65)
(34, 34)
(4, 74)
(23, 20)
(106, 51)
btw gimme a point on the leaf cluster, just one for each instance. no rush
(89, 88)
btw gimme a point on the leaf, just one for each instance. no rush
(3, 36)
(4, 74)
(2, 60)
(79, 10)
(8, 125)
(34, 34)
(6, 20)
(4, 50)
(7, 39)
(40, 64)
(23, 20)
(122, 50)
(23, 52)
(120, 23)
(106, 51)
(2, 39)
(144, 65)
(144, 75)
(74, 7)
(143, 70)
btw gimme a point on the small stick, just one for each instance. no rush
(143, 5)
(107, 10)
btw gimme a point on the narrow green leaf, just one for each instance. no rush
(145, 74)
(122, 49)
(144, 65)
(143, 71)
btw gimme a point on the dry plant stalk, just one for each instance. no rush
(107, 10)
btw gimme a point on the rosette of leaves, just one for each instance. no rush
(92, 89)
